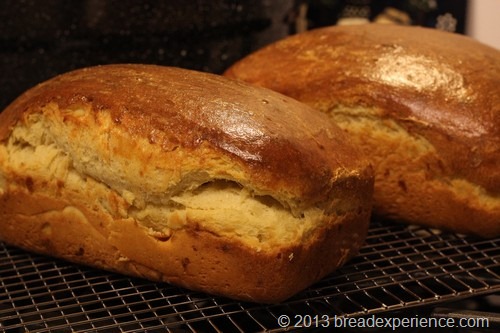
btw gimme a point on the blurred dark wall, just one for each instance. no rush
(42, 38)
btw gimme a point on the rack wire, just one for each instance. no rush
(400, 267)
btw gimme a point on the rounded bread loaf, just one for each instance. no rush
(423, 104)
(184, 177)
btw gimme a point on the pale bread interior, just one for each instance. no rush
(42, 150)
(402, 160)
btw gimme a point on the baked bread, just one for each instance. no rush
(180, 176)
(423, 104)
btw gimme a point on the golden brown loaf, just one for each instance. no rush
(422, 103)
(181, 176)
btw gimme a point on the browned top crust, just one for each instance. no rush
(443, 86)
(279, 143)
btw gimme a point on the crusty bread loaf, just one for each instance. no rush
(184, 177)
(422, 103)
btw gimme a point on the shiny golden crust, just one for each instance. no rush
(184, 177)
(431, 105)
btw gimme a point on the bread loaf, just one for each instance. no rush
(423, 104)
(184, 177)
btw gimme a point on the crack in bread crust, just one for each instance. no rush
(218, 205)
(408, 170)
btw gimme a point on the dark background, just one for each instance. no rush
(42, 38)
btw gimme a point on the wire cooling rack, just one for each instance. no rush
(399, 267)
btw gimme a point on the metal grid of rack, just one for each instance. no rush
(399, 267)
